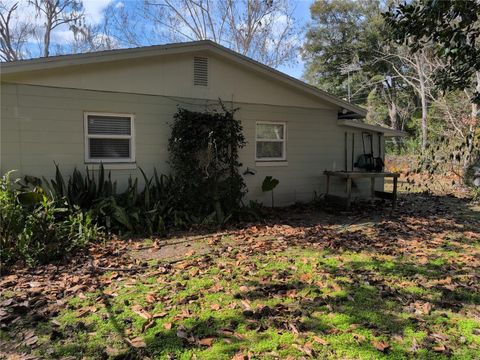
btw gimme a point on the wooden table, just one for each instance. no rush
(349, 175)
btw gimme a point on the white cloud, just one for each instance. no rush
(26, 12)
(62, 36)
(94, 10)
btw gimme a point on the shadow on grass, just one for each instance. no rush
(367, 303)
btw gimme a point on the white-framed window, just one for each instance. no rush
(109, 137)
(271, 141)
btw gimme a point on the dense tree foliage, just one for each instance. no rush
(347, 53)
(453, 27)
(414, 66)
(204, 150)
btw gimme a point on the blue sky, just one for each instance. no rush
(302, 16)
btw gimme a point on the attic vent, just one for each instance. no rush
(200, 71)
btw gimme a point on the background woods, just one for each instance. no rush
(415, 67)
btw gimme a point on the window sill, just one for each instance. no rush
(112, 166)
(271, 163)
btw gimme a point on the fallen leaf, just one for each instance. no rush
(151, 298)
(194, 272)
(320, 340)
(137, 342)
(31, 340)
(215, 306)
(82, 312)
(293, 328)
(239, 356)
(380, 345)
(246, 304)
(439, 348)
(239, 336)
(147, 325)
(190, 253)
(137, 309)
(307, 349)
(305, 277)
(167, 326)
(206, 342)
(159, 315)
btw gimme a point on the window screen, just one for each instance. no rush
(109, 138)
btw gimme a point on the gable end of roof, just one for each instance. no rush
(39, 64)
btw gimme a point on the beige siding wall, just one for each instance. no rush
(173, 76)
(42, 125)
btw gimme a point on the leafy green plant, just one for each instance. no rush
(11, 216)
(52, 231)
(35, 228)
(80, 190)
(148, 211)
(269, 184)
(204, 158)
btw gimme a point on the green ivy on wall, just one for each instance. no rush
(204, 150)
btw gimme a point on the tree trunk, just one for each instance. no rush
(423, 98)
(46, 36)
(470, 140)
(390, 96)
(394, 120)
(46, 43)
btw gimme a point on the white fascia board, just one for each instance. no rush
(387, 132)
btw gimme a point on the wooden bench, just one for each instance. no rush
(349, 175)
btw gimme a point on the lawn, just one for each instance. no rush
(305, 283)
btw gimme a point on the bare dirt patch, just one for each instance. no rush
(174, 249)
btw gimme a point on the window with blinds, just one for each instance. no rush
(109, 138)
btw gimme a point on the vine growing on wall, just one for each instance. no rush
(204, 159)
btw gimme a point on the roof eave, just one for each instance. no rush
(387, 132)
(46, 63)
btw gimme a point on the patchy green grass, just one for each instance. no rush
(405, 288)
(324, 297)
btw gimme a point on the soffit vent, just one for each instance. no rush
(200, 71)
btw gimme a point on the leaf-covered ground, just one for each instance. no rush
(369, 284)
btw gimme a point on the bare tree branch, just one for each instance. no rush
(56, 13)
(13, 33)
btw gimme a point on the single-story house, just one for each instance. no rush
(114, 107)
